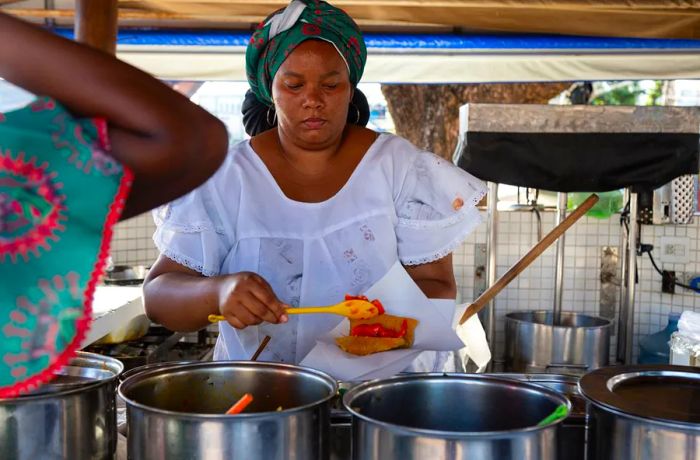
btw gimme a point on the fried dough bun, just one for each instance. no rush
(381, 333)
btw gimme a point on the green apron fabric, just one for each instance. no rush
(60, 194)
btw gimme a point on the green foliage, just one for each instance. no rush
(627, 93)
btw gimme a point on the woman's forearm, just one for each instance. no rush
(181, 302)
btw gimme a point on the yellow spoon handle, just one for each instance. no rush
(290, 311)
(300, 310)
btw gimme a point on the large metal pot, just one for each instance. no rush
(73, 417)
(571, 439)
(579, 343)
(451, 417)
(178, 412)
(643, 412)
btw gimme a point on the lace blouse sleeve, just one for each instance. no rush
(436, 208)
(197, 230)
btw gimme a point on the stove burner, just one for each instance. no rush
(158, 345)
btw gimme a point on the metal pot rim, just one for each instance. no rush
(350, 394)
(132, 380)
(70, 389)
(646, 420)
(509, 317)
(148, 366)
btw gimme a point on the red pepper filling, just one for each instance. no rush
(377, 330)
(375, 302)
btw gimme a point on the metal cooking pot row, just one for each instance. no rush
(175, 411)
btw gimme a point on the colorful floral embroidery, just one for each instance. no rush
(60, 196)
(32, 208)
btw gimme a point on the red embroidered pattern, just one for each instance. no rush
(30, 224)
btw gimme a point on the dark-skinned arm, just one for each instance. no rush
(181, 299)
(435, 279)
(170, 143)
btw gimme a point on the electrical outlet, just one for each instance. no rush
(674, 249)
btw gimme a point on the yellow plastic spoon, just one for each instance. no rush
(353, 309)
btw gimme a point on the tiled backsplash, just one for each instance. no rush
(132, 243)
(534, 288)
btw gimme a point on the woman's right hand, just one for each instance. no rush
(246, 299)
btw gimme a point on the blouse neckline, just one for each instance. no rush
(278, 190)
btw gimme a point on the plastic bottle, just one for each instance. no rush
(654, 348)
(608, 203)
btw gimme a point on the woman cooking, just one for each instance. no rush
(311, 210)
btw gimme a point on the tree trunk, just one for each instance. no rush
(428, 115)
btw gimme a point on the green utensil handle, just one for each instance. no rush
(559, 413)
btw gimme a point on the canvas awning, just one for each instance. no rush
(433, 58)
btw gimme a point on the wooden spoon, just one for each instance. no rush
(353, 309)
(528, 258)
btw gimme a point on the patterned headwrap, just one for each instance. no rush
(274, 39)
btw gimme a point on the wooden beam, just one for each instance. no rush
(96, 24)
(155, 16)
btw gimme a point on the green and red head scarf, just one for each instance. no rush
(275, 39)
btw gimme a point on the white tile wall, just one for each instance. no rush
(534, 288)
(132, 243)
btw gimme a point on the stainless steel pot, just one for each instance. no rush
(451, 417)
(579, 343)
(643, 412)
(571, 439)
(178, 412)
(73, 417)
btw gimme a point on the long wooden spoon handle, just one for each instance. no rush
(528, 258)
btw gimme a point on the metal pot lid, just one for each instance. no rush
(662, 393)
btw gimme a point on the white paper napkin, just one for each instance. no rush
(402, 297)
(472, 333)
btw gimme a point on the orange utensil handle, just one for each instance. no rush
(240, 404)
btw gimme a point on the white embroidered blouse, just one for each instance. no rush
(400, 202)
